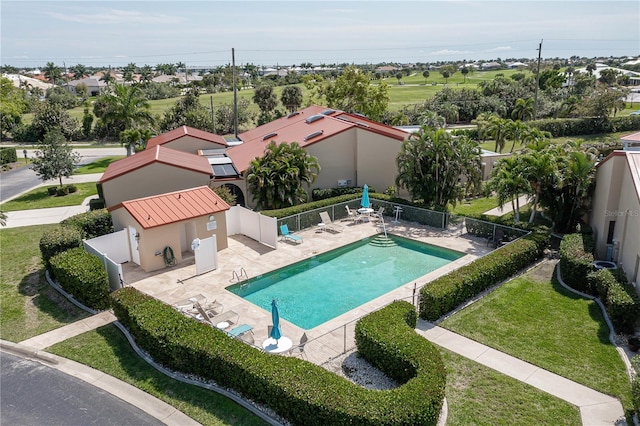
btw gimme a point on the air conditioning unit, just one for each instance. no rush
(342, 183)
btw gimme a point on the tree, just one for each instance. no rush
(516, 131)
(351, 92)
(48, 116)
(508, 182)
(267, 101)
(107, 77)
(55, 157)
(591, 67)
(187, 111)
(399, 76)
(125, 108)
(450, 112)
(540, 169)
(464, 71)
(291, 97)
(437, 168)
(128, 72)
(224, 116)
(135, 140)
(522, 109)
(276, 179)
(425, 74)
(79, 71)
(445, 75)
(12, 106)
(432, 120)
(497, 128)
(52, 72)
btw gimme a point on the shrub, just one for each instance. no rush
(559, 127)
(576, 261)
(301, 392)
(96, 204)
(83, 275)
(52, 190)
(58, 240)
(61, 191)
(71, 189)
(623, 306)
(8, 155)
(92, 223)
(449, 291)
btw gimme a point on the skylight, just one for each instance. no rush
(328, 111)
(269, 135)
(293, 114)
(314, 118)
(313, 135)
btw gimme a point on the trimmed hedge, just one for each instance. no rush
(93, 223)
(450, 291)
(576, 261)
(83, 275)
(58, 240)
(620, 299)
(8, 155)
(559, 127)
(301, 392)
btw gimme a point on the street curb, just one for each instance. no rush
(28, 352)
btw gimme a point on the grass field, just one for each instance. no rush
(98, 166)
(535, 319)
(39, 198)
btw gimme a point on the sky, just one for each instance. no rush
(266, 33)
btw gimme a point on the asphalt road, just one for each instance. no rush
(35, 394)
(15, 182)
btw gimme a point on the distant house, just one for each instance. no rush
(351, 149)
(187, 139)
(615, 216)
(491, 66)
(387, 68)
(151, 172)
(163, 227)
(634, 77)
(94, 85)
(19, 80)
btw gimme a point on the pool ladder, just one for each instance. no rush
(239, 277)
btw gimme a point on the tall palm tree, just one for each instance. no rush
(516, 131)
(79, 71)
(432, 120)
(52, 72)
(497, 128)
(508, 182)
(126, 108)
(540, 168)
(523, 109)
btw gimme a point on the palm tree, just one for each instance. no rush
(464, 71)
(425, 74)
(276, 179)
(52, 72)
(540, 168)
(508, 182)
(450, 112)
(79, 71)
(497, 128)
(146, 74)
(578, 182)
(432, 120)
(516, 131)
(523, 109)
(126, 108)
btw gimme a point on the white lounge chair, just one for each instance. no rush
(299, 348)
(328, 223)
(378, 215)
(354, 215)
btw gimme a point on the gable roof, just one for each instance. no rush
(300, 127)
(159, 154)
(164, 209)
(633, 162)
(186, 131)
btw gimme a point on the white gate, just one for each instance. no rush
(133, 245)
(206, 254)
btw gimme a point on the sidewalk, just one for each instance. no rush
(499, 211)
(595, 408)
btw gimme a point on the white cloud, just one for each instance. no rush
(116, 16)
(500, 49)
(445, 52)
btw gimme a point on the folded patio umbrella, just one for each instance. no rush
(365, 197)
(276, 333)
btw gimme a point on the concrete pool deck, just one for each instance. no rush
(177, 283)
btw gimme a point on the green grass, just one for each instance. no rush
(39, 198)
(28, 305)
(535, 319)
(478, 395)
(98, 166)
(475, 206)
(107, 350)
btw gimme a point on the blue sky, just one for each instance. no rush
(100, 33)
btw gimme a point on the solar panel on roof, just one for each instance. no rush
(314, 118)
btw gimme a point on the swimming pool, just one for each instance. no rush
(315, 290)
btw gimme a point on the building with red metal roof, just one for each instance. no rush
(188, 139)
(151, 172)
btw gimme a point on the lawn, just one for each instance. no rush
(478, 395)
(535, 319)
(98, 166)
(106, 349)
(28, 305)
(475, 206)
(39, 198)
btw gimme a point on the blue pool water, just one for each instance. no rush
(323, 287)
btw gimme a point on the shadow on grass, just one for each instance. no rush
(33, 196)
(187, 398)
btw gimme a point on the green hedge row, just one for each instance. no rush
(93, 223)
(299, 391)
(58, 240)
(576, 261)
(8, 155)
(449, 291)
(620, 298)
(559, 127)
(83, 275)
(324, 193)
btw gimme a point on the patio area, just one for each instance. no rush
(245, 255)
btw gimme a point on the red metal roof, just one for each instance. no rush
(172, 207)
(633, 137)
(159, 154)
(296, 129)
(186, 131)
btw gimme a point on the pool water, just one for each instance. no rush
(315, 290)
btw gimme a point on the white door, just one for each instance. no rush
(206, 254)
(133, 245)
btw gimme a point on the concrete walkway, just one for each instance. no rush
(499, 211)
(595, 408)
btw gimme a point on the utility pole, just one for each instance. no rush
(235, 93)
(213, 116)
(535, 96)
